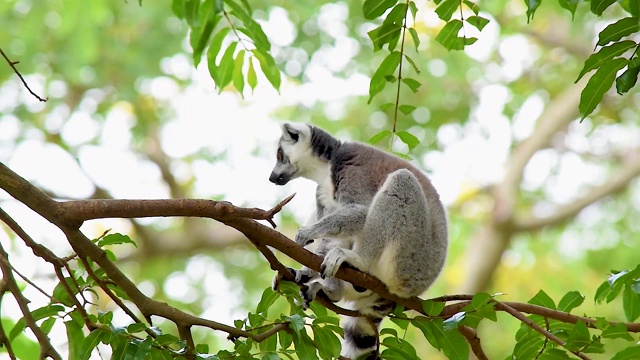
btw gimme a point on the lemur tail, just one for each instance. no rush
(361, 336)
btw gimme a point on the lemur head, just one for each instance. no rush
(303, 151)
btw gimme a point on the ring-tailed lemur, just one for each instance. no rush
(376, 212)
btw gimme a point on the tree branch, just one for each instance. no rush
(12, 64)
(628, 170)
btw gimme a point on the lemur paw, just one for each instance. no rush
(304, 275)
(275, 283)
(309, 293)
(304, 236)
(332, 261)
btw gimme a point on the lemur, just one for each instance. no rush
(376, 212)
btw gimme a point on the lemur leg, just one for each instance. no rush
(346, 221)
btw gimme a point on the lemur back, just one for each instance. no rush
(383, 214)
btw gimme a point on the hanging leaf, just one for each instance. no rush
(532, 6)
(599, 6)
(374, 8)
(269, 68)
(605, 55)
(238, 76)
(408, 138)
(618, 30)
(628, 79)
(413, 84)
(570, 5)
(252, 78)
(448, 35)
(478, 22)
(384, 34)
(630, 304)
(115, 239)
(387, 67)
(447, 8)
(599, 83)
(379, 136)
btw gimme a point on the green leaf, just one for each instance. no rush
(630, 304)
(532, 6)
(478, 22)
(454, 345)
(618, 30)
(631, 353)
(570, 300)
(616, 331)
(38, 314)
(269, 68)
(605, 55)
(143, 349)
(406, 109)
(374, 8)
(472, 6)
(431, 329)
(384, 34)
(225, 69)
(398, 348)
(47, 325)
(528, 346)
(599, 6)
(167, 339)
(413, 84)
(408, 138)
(448, 36)
(177, 6)
(397, 15)
(432, 308)
(304, 345)
(412, 63)
(91, 342)
(268, 298)
(214, 50)
(75, 336)
(136, 328)
(601, 293)
(252, 78)
(599, 83)
(251, 28)
(199, 37)
(447, 8)
(628, 79)
(327, 342)
(387, 67)
(61, 295)
(480, 299)
(542, 299)
(414, 9)
(115, 239)
(190, 12)
(379, 136)
(297, 322)
(554, 354)
(416, 42)
(570, 5)
(285, 339)
(238, 76)
(579, 336)
(634, 8)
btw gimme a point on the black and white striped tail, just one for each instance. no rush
(361, 333)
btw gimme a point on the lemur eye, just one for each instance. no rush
(279, 156)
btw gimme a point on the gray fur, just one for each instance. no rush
(385, 213)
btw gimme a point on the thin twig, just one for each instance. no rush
(474, 341)
(13, 66)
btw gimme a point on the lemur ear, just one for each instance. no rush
(289, 131)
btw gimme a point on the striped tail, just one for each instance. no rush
(361, 337)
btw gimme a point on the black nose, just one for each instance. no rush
(275, 178)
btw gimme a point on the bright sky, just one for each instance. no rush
(247, 132)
